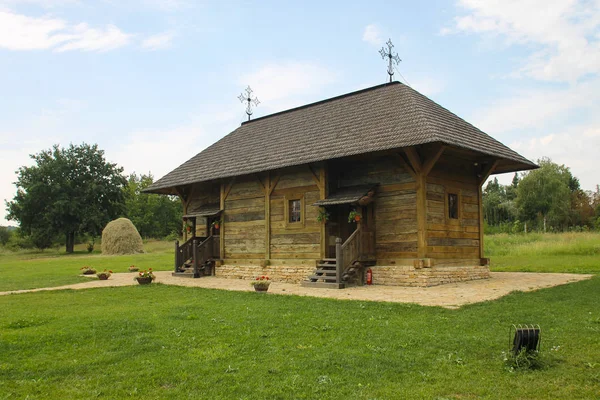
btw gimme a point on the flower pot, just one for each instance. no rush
(357, 218)
(217, 226)
(258, 288)
(103, 277)
(144, 281)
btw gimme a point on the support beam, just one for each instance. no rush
(485, 173)
(225, 189)
(267, 190)
(323, 196)
(421, 168)
(406, 166)
(429, 164)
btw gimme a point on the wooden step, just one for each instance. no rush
(328, 259)
(184, 274)
(325, 271)
(327, 265)
(323, 278)
(323, 285)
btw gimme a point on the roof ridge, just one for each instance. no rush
(323, 101)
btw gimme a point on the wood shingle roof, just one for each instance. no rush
(384, 117)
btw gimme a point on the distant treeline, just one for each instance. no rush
(548, 199)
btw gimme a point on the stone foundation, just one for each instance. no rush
(278, 273)
(398, 275)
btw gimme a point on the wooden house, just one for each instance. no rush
(274, 196)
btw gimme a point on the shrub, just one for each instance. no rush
(121, 237)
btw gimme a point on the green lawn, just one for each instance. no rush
(175, 342)
(552, 252)
(160, 342)
(29, 270)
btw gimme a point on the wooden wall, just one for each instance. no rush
(244, 220)
(297, 240)
(395, 203)
(202, 194)
(452, 238)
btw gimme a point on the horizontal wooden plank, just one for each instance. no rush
(461, 242)
(296, 238)
(244, 256)
(295, 248)
(396, 247)
(310, 256)
(248, 216)
(452, 234)
(395, 255)
(410, 186)
(404, 237)
(452, 250)
(295, 190)
(244, 203)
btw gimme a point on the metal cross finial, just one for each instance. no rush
(248, 98)
(390, 57)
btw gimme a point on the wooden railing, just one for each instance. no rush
(360, 245)
(198, 250)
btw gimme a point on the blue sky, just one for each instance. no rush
(154, 82)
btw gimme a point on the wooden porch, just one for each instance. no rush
(347, 267)
(196, 257)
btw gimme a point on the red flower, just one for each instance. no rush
(267, 278)
(258, 279)
(110, 271)
(149, 269)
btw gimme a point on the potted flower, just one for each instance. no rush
(354, 216)
(104, 275)
(86, 270)
(216, 224)
(133, 268)
(261, 283)
(323, 215)
(145, 277)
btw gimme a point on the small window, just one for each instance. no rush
(295, 211)
(453, 206)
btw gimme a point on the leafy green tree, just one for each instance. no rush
(5, 235)
(545, 194)
(68, 191)
(153, 216)
(498, 207)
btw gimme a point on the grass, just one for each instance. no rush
(35, 269)
(160, 342)
(174, 342)
(552, 252)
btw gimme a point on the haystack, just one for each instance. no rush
(121, 237)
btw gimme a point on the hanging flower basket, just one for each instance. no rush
(354, 216)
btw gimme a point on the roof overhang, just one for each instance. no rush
(359, 195)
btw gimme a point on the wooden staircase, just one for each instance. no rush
(325, 276)
(196, 257)
(347, 267)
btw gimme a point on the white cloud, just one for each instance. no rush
(372, 35)
(565, 34)
(158, 41)
(283, 85)
(20, 32)
(526, 109)
(428, 86)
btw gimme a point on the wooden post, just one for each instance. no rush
(267, 188)
(420, 169)
(176, 255)
(482, 177)
(195, 256)
(222, 225)
(339, 260)
(323, 196)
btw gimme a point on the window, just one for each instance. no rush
(452, 206)
(295, 210)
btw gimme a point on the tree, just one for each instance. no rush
(153, 216)
(546, 194)
(68, 191)
(4, 235)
